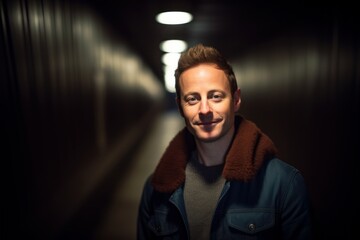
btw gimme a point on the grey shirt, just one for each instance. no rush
(202, 189)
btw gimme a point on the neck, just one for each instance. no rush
(213, 153)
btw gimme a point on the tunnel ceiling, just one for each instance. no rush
(233, 27)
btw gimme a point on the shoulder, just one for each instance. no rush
(283, 173)
(276, 165)
(147, 187)
(149, 191)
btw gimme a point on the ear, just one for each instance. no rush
(237, 100)
(178, 103)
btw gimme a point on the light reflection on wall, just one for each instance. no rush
(275, 67)
(301, 64)
(85, 99)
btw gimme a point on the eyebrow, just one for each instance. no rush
(209, 92)
(190, 93)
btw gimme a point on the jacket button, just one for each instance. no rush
(158, 228)
(252, 227)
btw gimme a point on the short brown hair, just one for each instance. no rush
(204, 54)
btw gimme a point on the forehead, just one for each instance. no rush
(203, 77)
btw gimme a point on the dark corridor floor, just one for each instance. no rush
(119, 220)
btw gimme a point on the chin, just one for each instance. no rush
(207, 140)
(208, 137)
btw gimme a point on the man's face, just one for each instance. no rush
(206, 102)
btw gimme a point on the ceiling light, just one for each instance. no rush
(174, 17)
(173, 46)
(170, 58)
(169, 77)
(169, 83)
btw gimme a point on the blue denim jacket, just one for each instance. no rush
(273, 205)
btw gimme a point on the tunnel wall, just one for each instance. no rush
(302, 88)
(76, 99)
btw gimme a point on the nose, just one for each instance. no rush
(204, 107)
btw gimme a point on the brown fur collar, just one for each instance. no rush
(250, 148)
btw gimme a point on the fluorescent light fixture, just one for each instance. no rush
(174, 17)
(169, 77)
(170, 83)
(173, 46)
(170, 59)
(169, 70)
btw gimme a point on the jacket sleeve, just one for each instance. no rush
(295, 215)
(144, 213)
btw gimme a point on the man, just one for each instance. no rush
(219, 178)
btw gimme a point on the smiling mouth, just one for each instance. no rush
(208, 123)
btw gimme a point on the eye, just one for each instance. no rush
(191, 99)
(217, 97)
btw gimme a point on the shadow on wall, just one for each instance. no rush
(303, 90)
(76, 101)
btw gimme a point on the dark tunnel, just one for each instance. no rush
(85, 118)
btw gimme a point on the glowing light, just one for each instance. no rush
(169, 77)
(170, 82)
(173, 46)
(174, 17)
(170, 58)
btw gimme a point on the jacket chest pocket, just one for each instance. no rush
(255, 224)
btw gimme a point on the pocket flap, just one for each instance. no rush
(251, 222)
